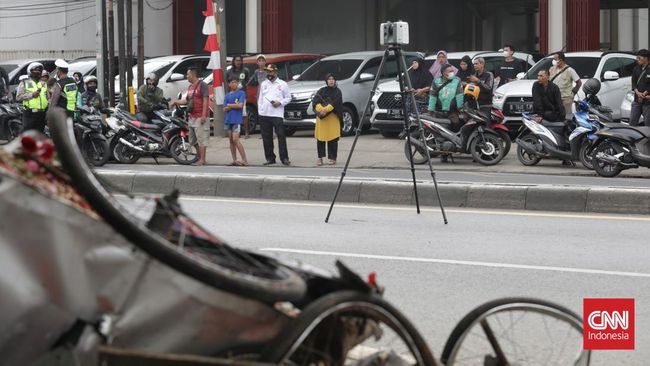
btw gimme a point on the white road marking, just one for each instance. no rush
(492, 212)
(459, 262)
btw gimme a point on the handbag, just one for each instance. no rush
(190, 100)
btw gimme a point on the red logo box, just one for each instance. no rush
(608, 324)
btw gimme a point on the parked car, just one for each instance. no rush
(16, 68)
(288, 64)
(355, 73)
(626, 107)
(88, 65)
(387, 115)
(612, 68)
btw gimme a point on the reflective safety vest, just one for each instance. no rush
(39, 102)
(68, 98)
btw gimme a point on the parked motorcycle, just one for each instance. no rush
(619, 148)
(566, 141)
(89, 132)
(475, 136)
(11, 123)
(166, 136)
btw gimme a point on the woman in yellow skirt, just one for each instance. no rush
(328, 104)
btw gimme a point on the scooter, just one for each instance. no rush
(89, 132)
(475, 137)
(618, 148)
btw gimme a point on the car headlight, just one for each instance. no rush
(630, 96)
(498, 97)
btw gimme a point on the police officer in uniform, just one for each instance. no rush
(33, 93)
(64, 91)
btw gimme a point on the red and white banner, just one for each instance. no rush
(212, 46)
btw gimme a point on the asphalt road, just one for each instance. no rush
(437, 273)
(456, 176)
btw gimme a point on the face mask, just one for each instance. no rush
(554, 62)
(92, 89)
(270, 77)
(506, 53)
(451, 75)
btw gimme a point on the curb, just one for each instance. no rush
(377, 191)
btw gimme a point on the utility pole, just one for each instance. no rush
(99, 54)
(129, 42)
(103, 74)
(111, 54)
(140, 43)
(220, 19)
(122, 56)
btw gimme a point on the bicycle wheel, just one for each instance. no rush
(517, 331)
(161, 229)
(349, 327)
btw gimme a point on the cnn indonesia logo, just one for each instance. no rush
(608, 324)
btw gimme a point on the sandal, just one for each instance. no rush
(319, 162)
(332, 162)
(242, 163)
(234, 163)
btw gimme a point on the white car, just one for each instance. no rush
(386, 105)
(613, 69)
(171, 72)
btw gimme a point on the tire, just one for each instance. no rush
(181, 151)
(389, 134)
(294, 345)
(487, 149)
(125, 154)
(586, 159)
(462, 333)
(290, 130)
(349, 122)
(524, 157)
(96, 150)
(602, 168)
(507, 141)
(252, 118)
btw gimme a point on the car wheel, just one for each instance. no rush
(349, 122)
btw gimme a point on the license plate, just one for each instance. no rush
(521, 107)
(294, 114)
(395, 113)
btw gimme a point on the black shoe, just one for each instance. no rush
(286, 162)
(567, 163)
(269, 162)
(444, 159)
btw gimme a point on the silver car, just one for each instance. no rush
(355, 73)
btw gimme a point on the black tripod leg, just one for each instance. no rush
(366, 111)
(404, 79)
(424, 142)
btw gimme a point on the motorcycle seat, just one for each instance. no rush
(554, 126)
(144, 126)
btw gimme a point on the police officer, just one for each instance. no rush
(64, 91)
(33, 93)
(91, 97)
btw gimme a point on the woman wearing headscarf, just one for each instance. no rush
(328, 104)
(441, 59)
(466, 69)
(420, 78)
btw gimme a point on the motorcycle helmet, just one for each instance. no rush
(34, 65)
(153, 77)
(90, 79)
(472, 91)
(591, 86)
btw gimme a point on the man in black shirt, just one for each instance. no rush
(509, 67)
(641, 88)
(547, 99)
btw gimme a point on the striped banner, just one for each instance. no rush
(212, 46)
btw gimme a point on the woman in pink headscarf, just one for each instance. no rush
(436, 68)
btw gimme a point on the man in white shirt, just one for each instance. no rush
(564, 76)
(273, 96)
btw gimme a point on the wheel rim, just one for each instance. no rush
(95, 151)
(184, 151)
(525, 155)
(489, 149)
(523, 334)
(606, 149)
(347, 122)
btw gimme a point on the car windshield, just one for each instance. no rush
(343, 69)
(584, 66)
(8, 67)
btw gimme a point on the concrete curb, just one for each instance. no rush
(378, 191)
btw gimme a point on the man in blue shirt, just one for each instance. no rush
(234, 103)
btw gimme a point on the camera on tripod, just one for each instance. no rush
(396, 33)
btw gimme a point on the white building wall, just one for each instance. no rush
(69, 30)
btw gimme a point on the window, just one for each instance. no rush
(627, 66)
(584, 66)
(343, 69)
(296, 67)
(282, 70)
(199, 63)
(611, 64)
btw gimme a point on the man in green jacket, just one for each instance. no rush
(149, 96)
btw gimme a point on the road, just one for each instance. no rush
(437, 273)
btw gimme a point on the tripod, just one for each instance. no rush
(403, 79)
